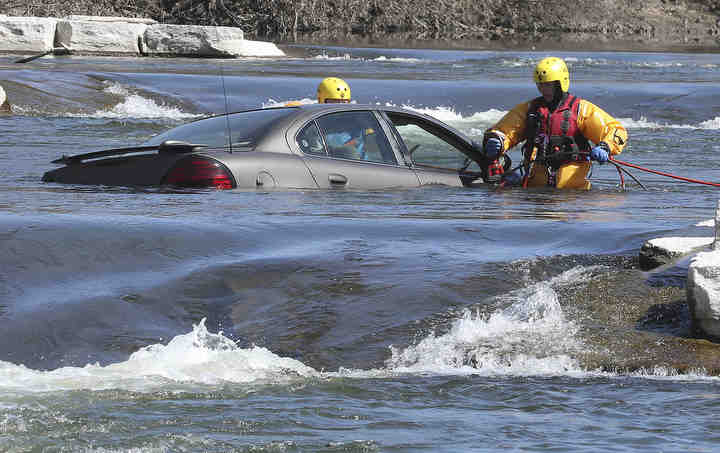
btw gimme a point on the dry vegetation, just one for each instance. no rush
(688, 21)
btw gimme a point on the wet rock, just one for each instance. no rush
(630, 327)
(662, 251)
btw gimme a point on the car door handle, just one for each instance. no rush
(335, 178)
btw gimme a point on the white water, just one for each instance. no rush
(134, 105)
(528, 335)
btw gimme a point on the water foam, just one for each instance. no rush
(326, 57)
(527, 335)
(484, 119)
(273, 103)
(399, 59)
(489, 117)
(644, 123)
(135, 106)
(198, 357)
(530, 336)
(476, 123)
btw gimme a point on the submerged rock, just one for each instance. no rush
(629, 326)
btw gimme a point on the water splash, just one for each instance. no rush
(531, 336)
(284, 103)
(383, 58)
(198, 357)
(134, 105)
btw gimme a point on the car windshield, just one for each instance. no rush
(247, 128)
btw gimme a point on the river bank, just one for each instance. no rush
(653, 25)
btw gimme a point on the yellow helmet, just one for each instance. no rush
(334, 90)
(551, 69)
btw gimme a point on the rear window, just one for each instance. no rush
(246, 128)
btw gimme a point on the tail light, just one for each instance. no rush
(199, 172)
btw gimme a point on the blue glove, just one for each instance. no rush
(492, 148)
(513, 178)
(599, 154)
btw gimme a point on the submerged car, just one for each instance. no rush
(298, 147)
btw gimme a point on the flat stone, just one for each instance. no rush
(661, 251)
(27, 34)
(193, 40)
(100, 37)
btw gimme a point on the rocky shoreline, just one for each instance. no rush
(655, 25)
(119, 36)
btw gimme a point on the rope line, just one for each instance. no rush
(661, 173)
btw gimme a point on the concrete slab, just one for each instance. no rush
(96, 37)
(27, 34)
(192, 40)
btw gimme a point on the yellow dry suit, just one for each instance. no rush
(565, 132)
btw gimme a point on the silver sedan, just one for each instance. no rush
(316, 146)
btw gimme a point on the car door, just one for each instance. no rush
(436, 154)
(350, 150)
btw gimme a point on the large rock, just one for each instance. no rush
(202, 41)
(703, 288)
(26, 34)
(661, 251)
(703, 294)
(101, 37)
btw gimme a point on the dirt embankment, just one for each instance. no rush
(590, 24)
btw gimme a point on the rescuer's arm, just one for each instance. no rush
(599, 127)
(511, 127)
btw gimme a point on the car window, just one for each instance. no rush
(356, 136)
(309, 140)
(246, 128)
(427, 144)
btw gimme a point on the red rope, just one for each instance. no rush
(696, 181)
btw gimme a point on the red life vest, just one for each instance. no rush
(556, 131)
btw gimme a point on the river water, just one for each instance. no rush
(428, 319)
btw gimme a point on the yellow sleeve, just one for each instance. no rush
(511, 127)
(597, 126)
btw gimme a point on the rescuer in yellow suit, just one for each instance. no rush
(562, 133)
(332, 90)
